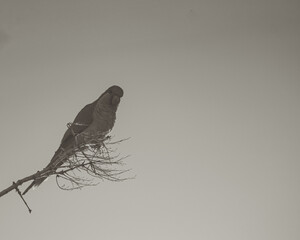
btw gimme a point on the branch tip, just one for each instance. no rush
(20, 194)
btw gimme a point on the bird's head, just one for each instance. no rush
(115, 90)
(112, 96)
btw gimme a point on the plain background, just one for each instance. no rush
(211, 104)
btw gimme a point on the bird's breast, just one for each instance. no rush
(103, 119)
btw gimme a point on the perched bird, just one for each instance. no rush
(95, 118)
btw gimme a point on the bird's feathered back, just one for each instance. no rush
(85, 122)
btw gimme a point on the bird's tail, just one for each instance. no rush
(35, 183)
(53, 162)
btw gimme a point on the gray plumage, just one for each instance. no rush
(96, 117)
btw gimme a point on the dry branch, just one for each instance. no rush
(93, 158)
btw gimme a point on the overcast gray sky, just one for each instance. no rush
(211, 104)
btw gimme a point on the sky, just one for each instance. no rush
(211, 106)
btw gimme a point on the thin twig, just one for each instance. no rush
(20, 194)
(90, 156)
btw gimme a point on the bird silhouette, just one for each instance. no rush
(96, 118)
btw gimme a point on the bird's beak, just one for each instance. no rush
(115, 100)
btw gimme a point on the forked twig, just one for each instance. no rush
(81, 166)
(20, 194)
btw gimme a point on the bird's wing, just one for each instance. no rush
(83, 119)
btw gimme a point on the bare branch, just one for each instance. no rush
(93, 159)
(20, 194)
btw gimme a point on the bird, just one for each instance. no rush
(96, 118)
